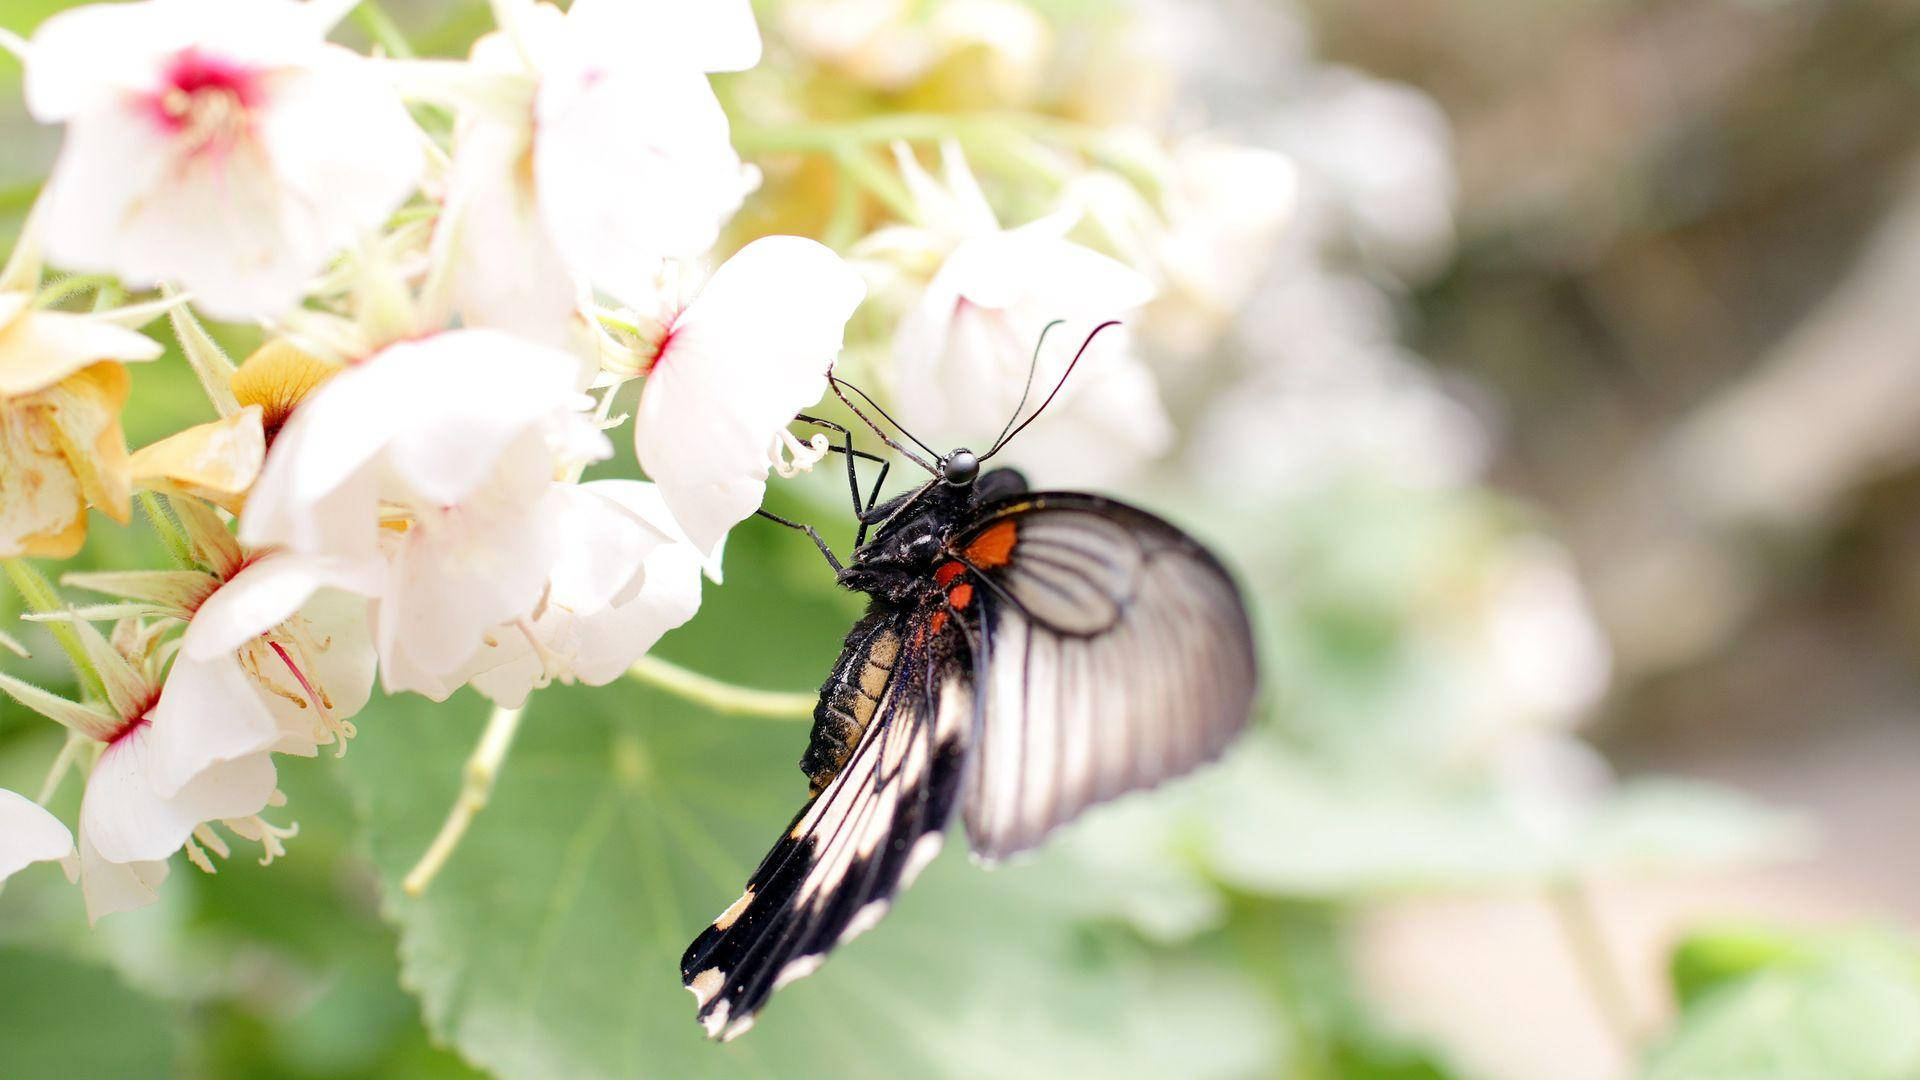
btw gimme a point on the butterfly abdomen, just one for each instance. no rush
(850, 696)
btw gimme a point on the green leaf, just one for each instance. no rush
(625, 820)
(63, 1019)
(1705, 961)
(1349, 836)
(1845, 1010)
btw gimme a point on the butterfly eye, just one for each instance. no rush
(959, 468)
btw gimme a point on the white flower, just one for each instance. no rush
(222, 145)
(28, 834)
(1377, 165)
(174, 759)
(285, 622)
(961, 357)
(625, 576)
(437, 455)
(301, 639)
(618, 155)
(1215, 232)
(733, 367)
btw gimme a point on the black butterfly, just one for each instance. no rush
(1025, 655)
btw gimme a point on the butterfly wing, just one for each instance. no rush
(1117, 654)
(871, 828)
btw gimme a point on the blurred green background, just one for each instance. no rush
(1588, 749)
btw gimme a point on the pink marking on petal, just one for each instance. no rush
(194, 71)
(129, 727)
(206, 100)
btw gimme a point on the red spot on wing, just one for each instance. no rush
(993, 547)
(945, 575)
(937, 623)
(961, 595)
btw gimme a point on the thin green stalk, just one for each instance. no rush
(881, 184)
(109, 296)
(477, 780)
(41, 599)
(62, 765)
(169, 530)
(829, 135)
(374, 21)
(1580, 923)
(69, 286)
(843, 226)
(719, 696)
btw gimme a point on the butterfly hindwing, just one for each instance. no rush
(1117, 654)
(885, 793)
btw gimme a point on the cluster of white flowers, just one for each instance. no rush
(403, 459)
(456, 266)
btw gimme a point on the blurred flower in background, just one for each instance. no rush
(1440, 325)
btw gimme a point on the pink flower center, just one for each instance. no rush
(130, 727)
(206, 100)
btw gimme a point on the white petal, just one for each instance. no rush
(344, 666)
(40, 348)
(208, 713)
(263, 595)
(111, 887)
(751, 351)
(441, 410)
(28, 834)
(661, 188)
(128, 821)
(607, 643)
(459, 575)
(603, 552)
(505, 271)
(710, 35)
(88, 56)
(620, 583)
(962, 357)
(475, 394)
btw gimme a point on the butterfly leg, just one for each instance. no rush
(867, 518)
(864, 511)
(853, 477)
(811, 533)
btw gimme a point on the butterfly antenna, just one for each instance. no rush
(1027, 390)
(1084, 346)
(836, 382)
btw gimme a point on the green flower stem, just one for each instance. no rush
(859, 166)
(41, 599)
(373, 20)
(719, 696)
(1573, 907)
(109, 296)
(843, 226)
(169, 531)
(68, 286)
(1013, 140)
(482, 771)
(62, 765)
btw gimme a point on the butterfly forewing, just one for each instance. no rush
(1118, 654)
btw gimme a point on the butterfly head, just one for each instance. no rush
(960, 468)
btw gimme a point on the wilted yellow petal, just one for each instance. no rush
(277, 377)
(40, 348)
(42, 514)
(61, 450)
(216, 461)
